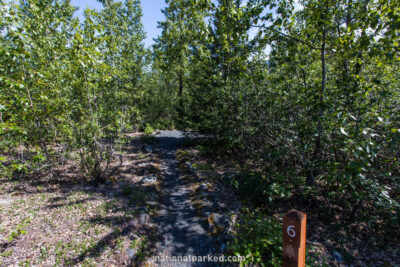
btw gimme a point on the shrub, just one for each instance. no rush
(258, 238)
(148, 130)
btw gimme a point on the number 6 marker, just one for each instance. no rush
(290, 231)
(294, 239)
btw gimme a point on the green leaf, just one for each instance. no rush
(343, 131)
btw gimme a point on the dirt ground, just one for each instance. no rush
(66, 221)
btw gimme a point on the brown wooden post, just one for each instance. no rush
(294, 239)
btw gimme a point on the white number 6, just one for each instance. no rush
(290, 231)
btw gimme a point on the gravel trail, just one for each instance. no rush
(181, 231)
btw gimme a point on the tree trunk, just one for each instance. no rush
(180, 91)
(317, 150)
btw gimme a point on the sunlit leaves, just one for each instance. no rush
(61, 77)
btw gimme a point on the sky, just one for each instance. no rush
(151, 14)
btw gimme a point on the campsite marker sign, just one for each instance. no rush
(294, 239)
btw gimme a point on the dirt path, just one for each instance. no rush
(181, 231)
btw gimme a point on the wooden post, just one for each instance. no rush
(294, 239)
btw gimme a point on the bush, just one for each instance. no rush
(259, 189)
(148, 130)
(258, 238)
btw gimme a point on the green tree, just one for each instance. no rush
(37, 34)
(108, 54)
(184, 24)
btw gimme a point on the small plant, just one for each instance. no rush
(119, 244)
(259, 239)
(84, 226)
(19, 230)
(134, 243)
(147, 137)
(97, 231)
(25, 263)
(44, 253)
(315, 258)
(143, 250)
(6, 254)
(148, 130)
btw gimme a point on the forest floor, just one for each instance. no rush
(146, 209)
(165, 199)
(66, 221)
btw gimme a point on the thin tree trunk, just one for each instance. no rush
(180, 91)
(317, 150)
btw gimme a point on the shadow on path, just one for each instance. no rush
(182, 232)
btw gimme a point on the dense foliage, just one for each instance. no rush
(67, 86)
(307, 93)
